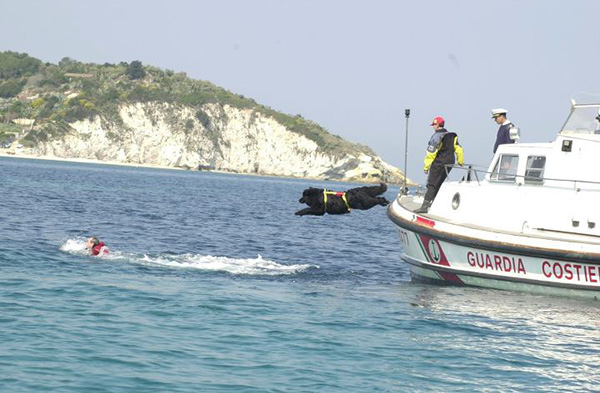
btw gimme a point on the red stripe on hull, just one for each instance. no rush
(451, 277)
(424, 221)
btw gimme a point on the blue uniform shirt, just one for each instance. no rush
(503, 136)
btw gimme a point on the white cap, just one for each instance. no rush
(498, 111)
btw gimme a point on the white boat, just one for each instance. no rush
(530, 222)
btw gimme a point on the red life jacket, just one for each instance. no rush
(98, 248)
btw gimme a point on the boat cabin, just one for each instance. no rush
(549, 188)
(571, 157)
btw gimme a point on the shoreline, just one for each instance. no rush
(86, 161)
(4, 153)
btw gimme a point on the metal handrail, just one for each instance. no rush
(470, 169)
(473, 170)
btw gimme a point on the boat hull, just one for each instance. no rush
(450, 258)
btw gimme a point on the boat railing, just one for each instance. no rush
(478, 173)
(471, 170)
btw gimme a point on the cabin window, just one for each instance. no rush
(534, 172)
(583, 120)
(506, 168)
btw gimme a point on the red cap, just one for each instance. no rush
(439, 121)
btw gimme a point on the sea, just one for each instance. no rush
(212, 284)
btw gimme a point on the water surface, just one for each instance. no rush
(214, 285)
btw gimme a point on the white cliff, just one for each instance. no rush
(231, 139)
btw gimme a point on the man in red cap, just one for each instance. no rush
(441, 149)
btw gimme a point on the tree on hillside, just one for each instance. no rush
(69, 65)
(15, 65)
(135, 70)
(11, 87)
(66, 62)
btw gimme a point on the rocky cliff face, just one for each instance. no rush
(226, 139)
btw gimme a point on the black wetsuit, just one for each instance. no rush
(445, 156)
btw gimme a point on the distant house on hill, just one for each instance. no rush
(24, 122)
(76, 75)
(26, 126)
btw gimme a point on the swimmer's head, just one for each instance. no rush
(92, 241)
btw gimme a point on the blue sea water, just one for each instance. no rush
(213, 285)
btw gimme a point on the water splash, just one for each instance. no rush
(241, 266)
(74, 246)
(251, 266)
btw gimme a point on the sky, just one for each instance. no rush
(351, 66)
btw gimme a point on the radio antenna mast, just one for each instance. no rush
(405, 189)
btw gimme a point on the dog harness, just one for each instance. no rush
(335, 193)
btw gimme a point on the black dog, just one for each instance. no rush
(322, 201)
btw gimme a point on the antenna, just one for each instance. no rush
(407, 116)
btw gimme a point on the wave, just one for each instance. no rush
(238, 266)
(74, 246)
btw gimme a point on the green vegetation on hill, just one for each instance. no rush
(58, 94)
(8, 133)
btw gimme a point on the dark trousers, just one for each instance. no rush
(437, 175)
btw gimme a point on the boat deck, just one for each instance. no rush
(410, 204)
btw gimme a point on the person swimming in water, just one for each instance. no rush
(95, 246)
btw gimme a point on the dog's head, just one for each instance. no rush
(311, 195)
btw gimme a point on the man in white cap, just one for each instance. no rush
(508, 132)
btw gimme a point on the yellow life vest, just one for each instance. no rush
(337, 193)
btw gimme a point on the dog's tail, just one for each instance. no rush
(377, 190)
